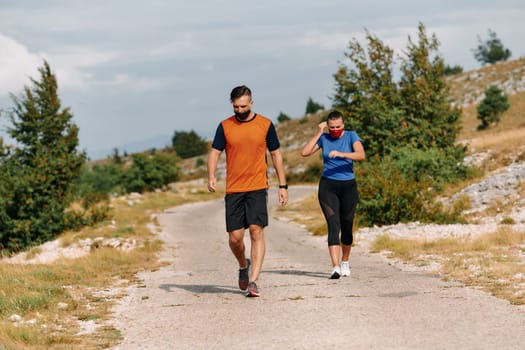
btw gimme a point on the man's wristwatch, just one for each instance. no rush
(283, 186)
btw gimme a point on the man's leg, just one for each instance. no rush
(237, 247)
(257, 250)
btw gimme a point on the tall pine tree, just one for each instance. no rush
(424, 97)
(413, 111)
(42, 165)
(407, 124)
(367, 95)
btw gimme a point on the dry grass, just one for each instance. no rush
(53, 299)
(492, 262)
(505, 141)
(308, 213)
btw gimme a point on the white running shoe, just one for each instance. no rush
(336, 273)
(345, 268)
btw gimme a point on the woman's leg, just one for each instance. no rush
(329, 203)
(349, 200)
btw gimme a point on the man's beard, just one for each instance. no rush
(242, 116)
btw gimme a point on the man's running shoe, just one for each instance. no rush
(345, 268)
(336, 273)
(253, 291)
(244, 276)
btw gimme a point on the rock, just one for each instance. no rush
(15, 318)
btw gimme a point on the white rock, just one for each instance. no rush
(15, 318)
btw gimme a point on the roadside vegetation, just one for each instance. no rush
(50, 305)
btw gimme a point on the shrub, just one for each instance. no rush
(189, 144)
(448, 70)
(492, 50)
(200, 162)
(100, 179)
(150, 172)
(92, 212)
(390, 194)
(492, 106)
(435, 164)
(282, 117)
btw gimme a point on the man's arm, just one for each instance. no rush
(277, 160)
(213, 159)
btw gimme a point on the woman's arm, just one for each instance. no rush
(357, 154)
(311, 146)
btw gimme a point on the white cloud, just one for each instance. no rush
(72, 65)
(17, 64)
(134, 84)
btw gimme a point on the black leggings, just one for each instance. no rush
(338, 200)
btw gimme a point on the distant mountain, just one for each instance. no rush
(157, 142)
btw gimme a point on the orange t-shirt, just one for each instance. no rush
(245, 144)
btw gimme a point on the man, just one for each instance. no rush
(245, 137)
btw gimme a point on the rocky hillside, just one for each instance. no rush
(466, 89)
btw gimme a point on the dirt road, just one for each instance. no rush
(194, 303)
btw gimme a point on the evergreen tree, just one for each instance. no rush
(189, 144)
(42, 166)
(492, 106)
(312, 106)
(282, 117)
(413, 111)
(424, 97)
(452, 70)
(491, 51)
(408, 128)
(366, 93)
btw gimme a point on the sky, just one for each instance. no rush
(134, 72)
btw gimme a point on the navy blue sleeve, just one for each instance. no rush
(219, 141)
(272, 141)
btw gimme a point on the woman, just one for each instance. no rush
(338, 195)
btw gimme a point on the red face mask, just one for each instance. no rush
(336, 133)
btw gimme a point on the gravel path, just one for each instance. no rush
(193, 302)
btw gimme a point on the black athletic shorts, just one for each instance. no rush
(246, 208)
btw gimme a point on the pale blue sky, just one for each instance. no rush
(139, 70)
